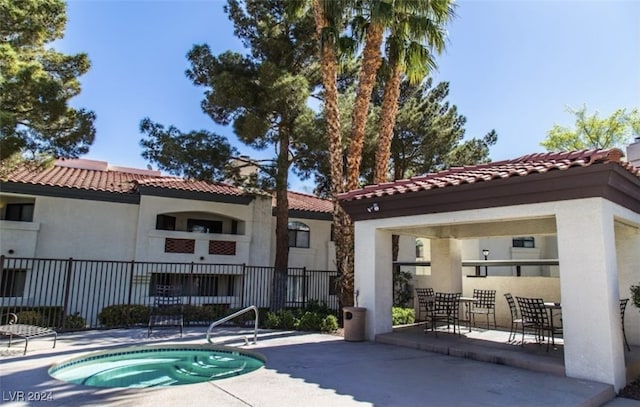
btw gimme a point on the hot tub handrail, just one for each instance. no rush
(235, 314)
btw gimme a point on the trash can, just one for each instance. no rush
(354, 318)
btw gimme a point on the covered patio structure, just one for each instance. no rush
(590, 200)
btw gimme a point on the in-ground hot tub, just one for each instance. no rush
(157, 365)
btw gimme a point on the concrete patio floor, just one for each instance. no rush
(302, 369)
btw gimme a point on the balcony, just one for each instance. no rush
(171, 245)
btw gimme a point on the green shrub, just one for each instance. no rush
(287, 319)
(402, 290)
(75, 321)
(635, 295)
(123, 315)
(199, 314)
(315, 317)
(272, 321)
(33, 318)
(329, 324)
(310, 321)
(402, 316)
(41, 316)
(318, 307)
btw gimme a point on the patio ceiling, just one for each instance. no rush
(473, 230)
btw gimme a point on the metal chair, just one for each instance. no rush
(623, 307)
(484, 302)
(167, 310)
(425, 299)
(534, 316)
(445, 308)
(515, 318)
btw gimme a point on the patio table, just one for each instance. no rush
(552, 306)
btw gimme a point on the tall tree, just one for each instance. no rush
(591, 132)
(429, 133)
(371, 18)
(328, 21)
(197, 154)
(264, 96)
(36, 83)
(416, 33)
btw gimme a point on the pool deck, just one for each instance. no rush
(302, 369)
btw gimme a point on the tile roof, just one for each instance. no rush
(100, 176)
(522, 166)
(94, 175)
(308, 203)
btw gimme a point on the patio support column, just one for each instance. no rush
(446, 265)
(374, 277)
(589, 289)
(628, 250)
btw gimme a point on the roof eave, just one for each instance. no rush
(607, 180)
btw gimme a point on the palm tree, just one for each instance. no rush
(372, 17)
(417, 31)
(328, 17)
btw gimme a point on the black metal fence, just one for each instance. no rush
(70, 293)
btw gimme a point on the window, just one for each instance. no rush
(165, 222)
(204, 226)
(298, 235)
(22, 212)
(419, 249)
(12, 282)
(526, 242)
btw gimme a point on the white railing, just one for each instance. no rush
(236, 314)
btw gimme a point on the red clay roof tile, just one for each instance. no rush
(100, 176)
(522, 166)
(308, 203)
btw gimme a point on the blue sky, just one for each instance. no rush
(513, 66)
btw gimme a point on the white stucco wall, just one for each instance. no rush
(99, 230)
(259, 231)
(18, 239)
(150, 242)
(589, 284)
(317, 255)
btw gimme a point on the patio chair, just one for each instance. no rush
(445, 308)
(484, 303)
(535, 317)
(167, 310)
(623, 307)
(515, 318)
(425, 299)
(25, 331)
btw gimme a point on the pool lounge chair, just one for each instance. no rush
(25, 331)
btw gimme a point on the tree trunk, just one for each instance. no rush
(371, 60)
(388, 115)
(281, 266)
(341, 221)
